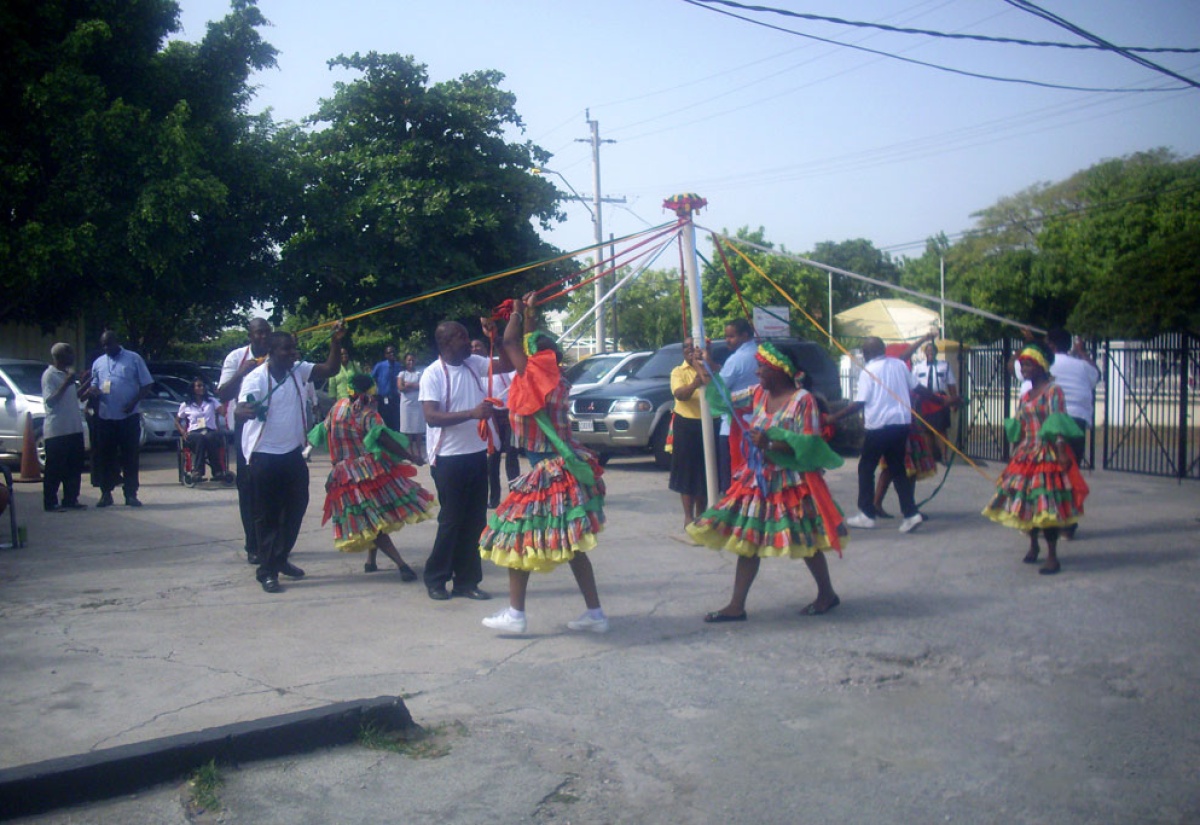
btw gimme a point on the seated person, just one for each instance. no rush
(197, 425)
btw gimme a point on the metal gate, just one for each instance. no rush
(1146, 405)
(990, 390)
(1150, 406)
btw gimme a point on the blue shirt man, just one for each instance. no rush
(120, 380)
(385, 374)
(739, 372)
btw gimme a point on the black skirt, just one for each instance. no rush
(687, 458)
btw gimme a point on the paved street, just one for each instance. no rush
(953, 684)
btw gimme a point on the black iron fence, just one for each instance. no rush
(1146, 405)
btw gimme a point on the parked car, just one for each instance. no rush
(634, 415)
(159, 409)
(604, 368)
(20, 399)
(188, 370)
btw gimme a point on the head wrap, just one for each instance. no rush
(771, 355)
(530, 341)
(1036, 355)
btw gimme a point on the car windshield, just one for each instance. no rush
(592, 370)
(630, 367)
(27, 377)
(660, 364)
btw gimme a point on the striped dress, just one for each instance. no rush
(1035, 491)
(370, 491)
(549, 514)
(778, 505)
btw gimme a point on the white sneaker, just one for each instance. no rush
(586, 622)
(911, 523)
(861, 520)
(505, 621)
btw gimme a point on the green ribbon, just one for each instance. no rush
(576, 466)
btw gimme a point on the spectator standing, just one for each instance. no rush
(62, 430)
(238, 364)
(386, 373)
(412, 419)
(884, 388)
(687, 452)
(941, 392)
(271, 402)
(120, 380)
(738, 373)
(338, 388)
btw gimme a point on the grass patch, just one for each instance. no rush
(416, 742)
(205, 786)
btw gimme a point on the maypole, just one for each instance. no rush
(684, 206)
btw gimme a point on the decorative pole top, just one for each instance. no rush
(684, 205)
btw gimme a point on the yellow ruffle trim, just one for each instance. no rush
(538, 561)
(366, 539)
(711, 538)
(1040, 522)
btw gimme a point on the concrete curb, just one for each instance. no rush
(42, 786)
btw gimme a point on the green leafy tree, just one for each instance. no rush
(135, 190)
(409, 186)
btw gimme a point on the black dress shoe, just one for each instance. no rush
(106, 500)
(74, 505)
(132, 501)
(291, 571)
(439, 594)
(252, 558)
(407, 574)
(54, 508)
(271, 585)
(470, 593)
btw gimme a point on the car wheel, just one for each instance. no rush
(658, 444)
(41, 452)
(603, 458)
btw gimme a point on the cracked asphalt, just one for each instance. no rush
(953, 684)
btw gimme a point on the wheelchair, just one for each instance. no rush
(190, 475)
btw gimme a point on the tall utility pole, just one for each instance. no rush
(597, 224)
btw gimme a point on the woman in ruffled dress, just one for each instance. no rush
(370, 492)
(1041, 490)
(778, 504)
(552, 513)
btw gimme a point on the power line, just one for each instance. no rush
(700, 4)
(1026, 6)
(948, 35)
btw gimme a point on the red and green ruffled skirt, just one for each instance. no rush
(1035, 492)
(547, 517)
(367, 497)
(797, 521)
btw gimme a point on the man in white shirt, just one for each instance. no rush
(453, 389)
(941, 394)
(62, 430)
(238, 364)
(1077, 376)
(272, 404)
(885, 386)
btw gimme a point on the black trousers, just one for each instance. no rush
(888, 443)
(245, 488)
(462, 489)
(389, 411)
(724, 465)
(64, 466)
(115, 453)
(1079, 445)
(506, 452)
(280, 485)
(206, 449)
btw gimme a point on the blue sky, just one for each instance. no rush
(809, 140)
